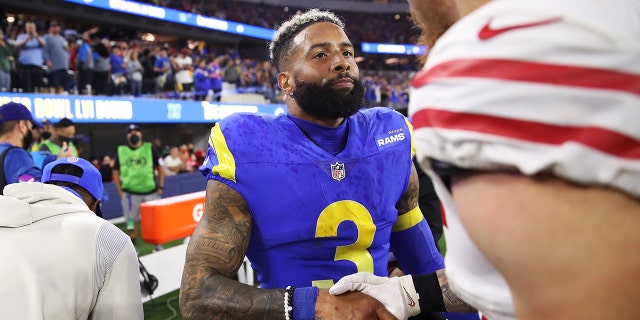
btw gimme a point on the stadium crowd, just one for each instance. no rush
(367, 27)
(80, 59)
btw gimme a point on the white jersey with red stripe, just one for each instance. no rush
(535, 87)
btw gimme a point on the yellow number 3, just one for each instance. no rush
(328, 222)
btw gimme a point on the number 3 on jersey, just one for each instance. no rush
(328, 222)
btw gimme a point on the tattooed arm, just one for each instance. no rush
(409, 199)
(215, 252)
(452, 303)
(411, 240)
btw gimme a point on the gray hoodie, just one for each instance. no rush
(60, 261)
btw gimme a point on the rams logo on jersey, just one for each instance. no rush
(390, 138)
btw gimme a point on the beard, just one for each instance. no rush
(323, 101)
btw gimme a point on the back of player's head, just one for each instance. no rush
(78, 175)
(289, 29)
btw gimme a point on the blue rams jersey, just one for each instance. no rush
(316, 217)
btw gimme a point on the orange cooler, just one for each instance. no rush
(172, 218)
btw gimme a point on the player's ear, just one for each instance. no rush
(286, 83)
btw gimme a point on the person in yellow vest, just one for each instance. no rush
(63, 131)
(134, 175)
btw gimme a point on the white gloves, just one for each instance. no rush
(397, 294)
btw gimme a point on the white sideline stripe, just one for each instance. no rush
(167, 266)
(117, 220)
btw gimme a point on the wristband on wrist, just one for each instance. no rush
(288, 302)
(431, 299)
(304, 303)
(410, 296)
(161, 187)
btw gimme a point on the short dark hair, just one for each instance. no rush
(7, 126)
(64, 123)
(289, 29)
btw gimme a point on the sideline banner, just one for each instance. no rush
(101, 109)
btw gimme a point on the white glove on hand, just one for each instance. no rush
(386, 290)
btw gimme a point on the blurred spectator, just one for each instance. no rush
(200, 156)
(134, 73)
(47, 132)
(56, 54)
(106, 168)
(232, 72)
(95, 162)
(39, 157)
(267, 79)
(85, 62)
(102, 67)
(172, 163)
(183, 68)
(63, 134)
(215, 73)
(147, 60)
(158, 149)
(124, 50)
(186, 155)
(201, 80)
(370, 95)
(30, 58)
(6, 63)
(162, 68)
(191, 148)
(118, 71)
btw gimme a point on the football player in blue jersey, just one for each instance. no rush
(310, 196)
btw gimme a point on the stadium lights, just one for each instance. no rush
(149, 37)
(391, 61)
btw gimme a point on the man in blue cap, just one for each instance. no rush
(16, 165)
(65, 262)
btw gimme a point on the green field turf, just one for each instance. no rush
(163, 308)
(147, 248)
(443, 246)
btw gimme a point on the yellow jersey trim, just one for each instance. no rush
(413, 140)
(408, 220)
(226, 166)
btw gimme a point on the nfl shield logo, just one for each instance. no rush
(337, 171)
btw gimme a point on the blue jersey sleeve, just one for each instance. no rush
(20, 167)
(413, 245)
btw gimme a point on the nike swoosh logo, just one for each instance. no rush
(487, 32)
(411, 302)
